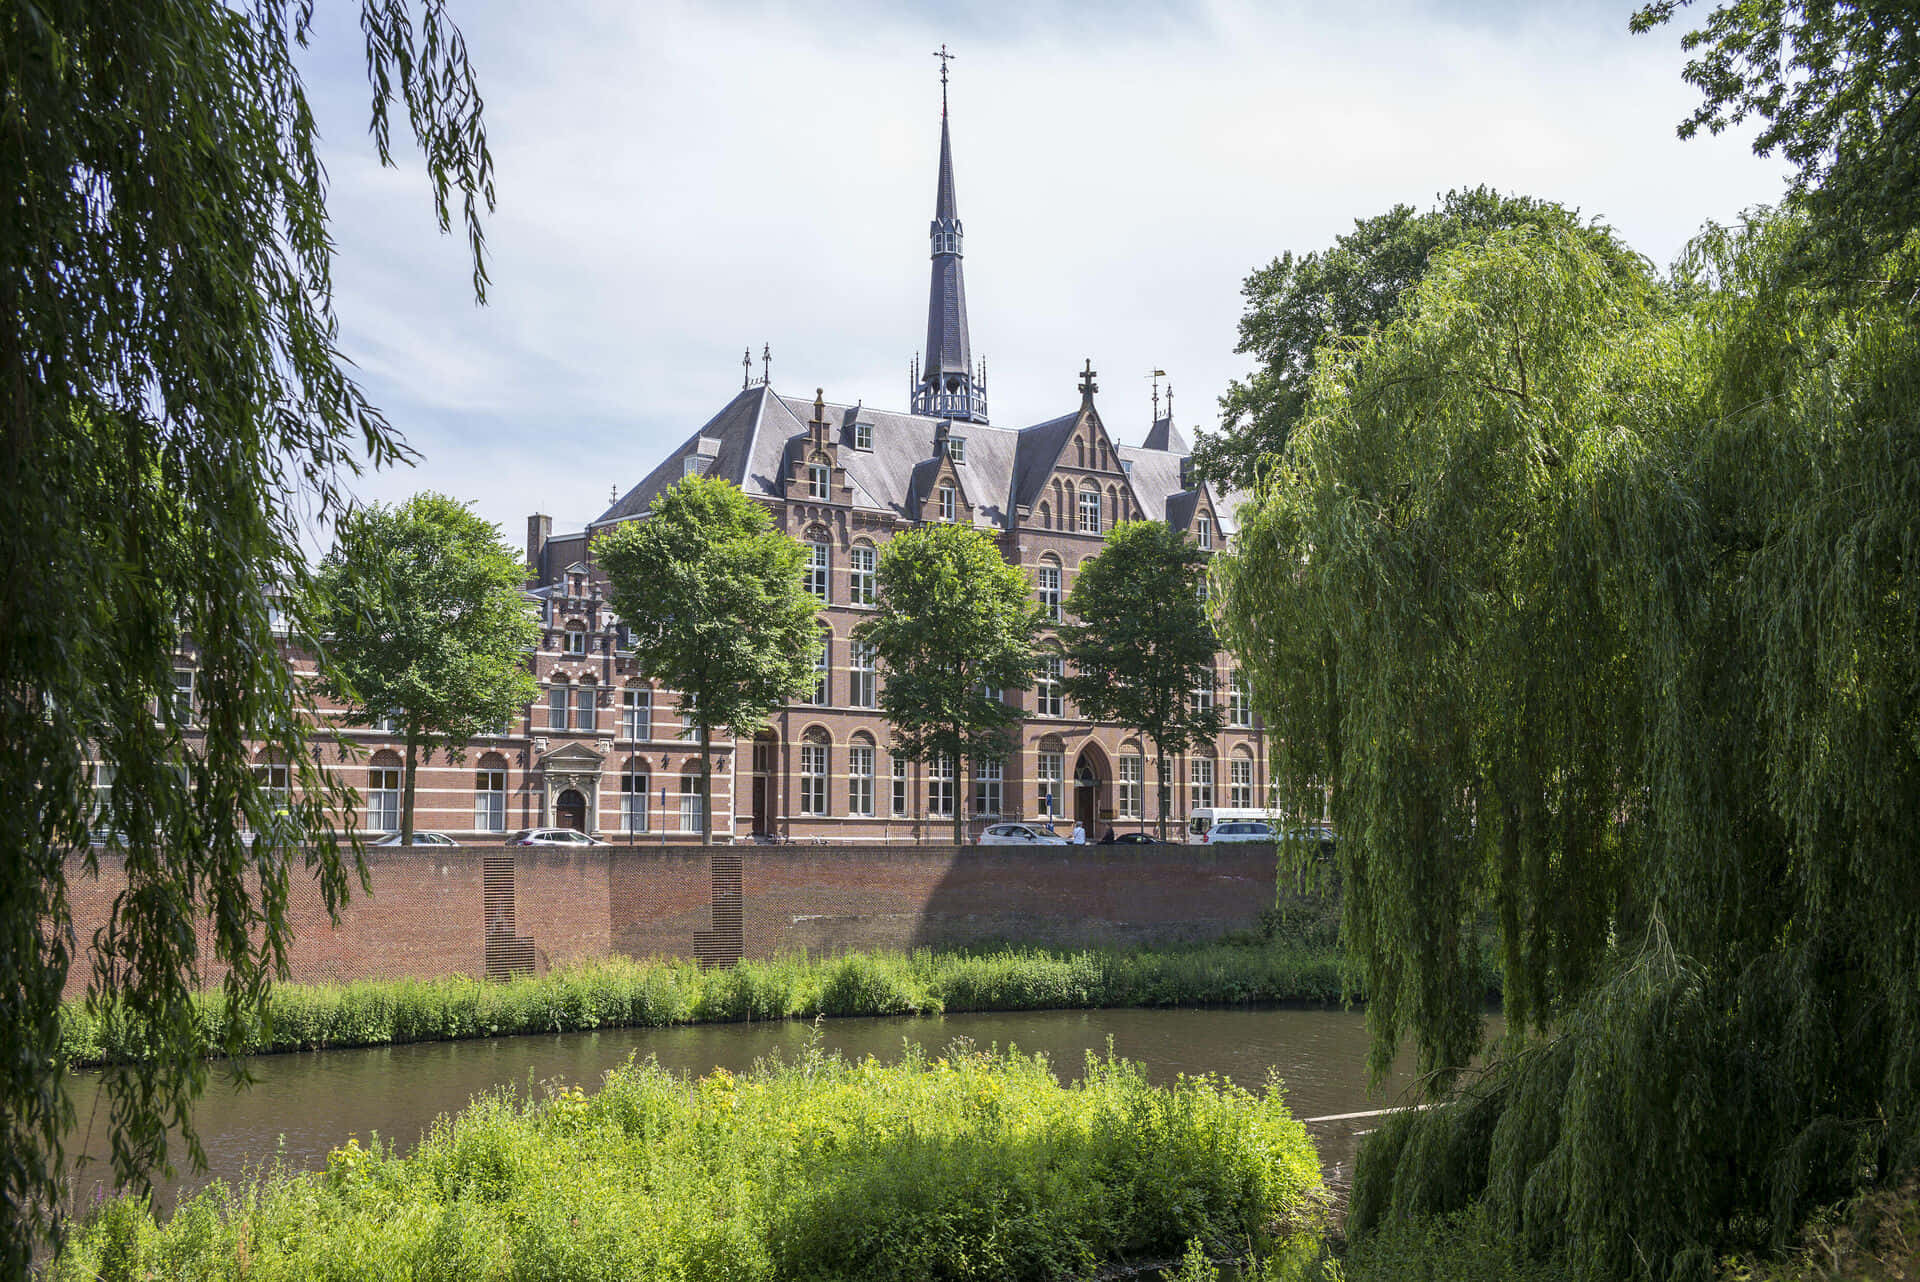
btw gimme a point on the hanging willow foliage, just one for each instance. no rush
(1595, 601)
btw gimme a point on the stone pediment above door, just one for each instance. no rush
(569, 754)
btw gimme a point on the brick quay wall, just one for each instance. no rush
(491, 910)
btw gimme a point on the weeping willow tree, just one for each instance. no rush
(1597, 600)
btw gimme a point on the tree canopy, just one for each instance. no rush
(718, 607)
(954, 634)
(172, 402)
(1295, 306)
(1138, 643)
(424, 619)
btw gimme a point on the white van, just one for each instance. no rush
(1242, 823)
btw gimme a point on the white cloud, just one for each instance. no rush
(680, 181)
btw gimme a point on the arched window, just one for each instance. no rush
(1048, 700)
(1050, 772)
(823, 670)
(1240, 779)
(1200, 782)
(1203, 530)
(383, 792)
(940, 786)
(864, 689)
(860, 761)
(864, 586)
(1089, 510)
(576, 639)
(559, 700)
(1239, 700)
(1130, 777)
(949, 503)
(815, 750)
(819, 561)
(1203, 694)
(690, 795)
(989, 781)
(1080, 451)
(585, 698)
(1113, 506)
(819, 475)
(633, 796)
(1050, 595)
(490, 793)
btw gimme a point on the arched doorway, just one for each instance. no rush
(766, 778)
(1092, 790)
(570, 811)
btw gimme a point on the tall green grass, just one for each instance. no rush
(968, 1166)
(618, 992)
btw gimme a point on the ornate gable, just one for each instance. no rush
(813, 472)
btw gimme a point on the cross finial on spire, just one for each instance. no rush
(944, 58)
(1087, 386)
(746, 368)
(766, 363)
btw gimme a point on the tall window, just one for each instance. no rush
(1089, 511)
(576, 639)
(823, 670)
(1239, 700)
(183, 695)
(949, 505)
(1204, 592)
(101, 817)
(1203, 530)
(899, 769)
(1051, 770)
(559, 696)
(383, 797)
(818, 475)
(1203, 696)
(1132, 771)
(490, 797)
(862, 585)
(940, 774)
(583, 704)
(819, 563)
(276, 792)
(690, 795)
(1200, 776)
(860, 779)
(988, 782)
(1240, 781)
(865, 692)
(1049, 702)
(688, 730)
(813, 777)
(633, 800)
(1050, 591)
(636, 714)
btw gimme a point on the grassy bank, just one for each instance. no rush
(975, 1166)
(618, 992)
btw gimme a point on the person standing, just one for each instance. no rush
(1079, 837)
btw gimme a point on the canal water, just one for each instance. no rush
(301, 1106)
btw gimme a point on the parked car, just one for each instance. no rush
(419, 839)
(1136, 839)
(1020, 835)
(552, 837)
(1237, 830)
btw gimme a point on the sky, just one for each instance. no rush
(679, 182)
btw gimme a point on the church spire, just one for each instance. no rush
(948, 386)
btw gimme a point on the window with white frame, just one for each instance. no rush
(1204, 591)
(276, 790)
(823, 671)
(1203, 696)
(559, 700)
(1240, 782)
(862, 582)
(1200, 782)
(1132, 773)
(183, 695)
(899, 775)
(100, 817)
(948, 503)
(1048, 701)
(690, 465)
(813, 777)
(989, 779)
(633, 800)
(863, 436)
(865, 685)
(818, 477)
(1050, 591)
(689, 728)
(1050, 769)
(860, 779)
(1089, 511)
(636, 714)
(383, 797)
(940, 798)
(957, 448)
(1239, 700)
(490, 800)
(1203, 530)
(819, 565)
(584, 700)
(576, 639)
(690, 795)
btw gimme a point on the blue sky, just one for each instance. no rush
(678, 182)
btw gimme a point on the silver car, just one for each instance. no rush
(552, 837)
(419, 839)
(1020, 835)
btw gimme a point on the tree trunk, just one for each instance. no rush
(406, 798)
(706, 784)
(1160, 787)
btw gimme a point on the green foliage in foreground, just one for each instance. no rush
(974, 1166)
(618, 992)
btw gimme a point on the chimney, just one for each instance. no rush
(539, 530)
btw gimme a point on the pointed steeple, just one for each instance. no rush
(948, 387)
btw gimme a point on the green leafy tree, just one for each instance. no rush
(1138, 643)
(954, 632)
(423, 618)
(1837, 89)
(173, 402)
(1297, 306)
(718, 605)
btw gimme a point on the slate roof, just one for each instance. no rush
(1163, 435)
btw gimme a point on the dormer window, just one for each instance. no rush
(1203, 530)
(948, 502)
(863, 436)
(576, 639)
(957, 448)
(690, 465)
(818, 475)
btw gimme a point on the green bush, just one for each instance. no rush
(967, 1165)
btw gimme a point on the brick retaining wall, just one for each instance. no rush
(429, 911)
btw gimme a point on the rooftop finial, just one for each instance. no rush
(766, 363)
(1169, 402)
(819, 404)
(1087, 386)
(1156, 376)
(944, 58)
(746, 368)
